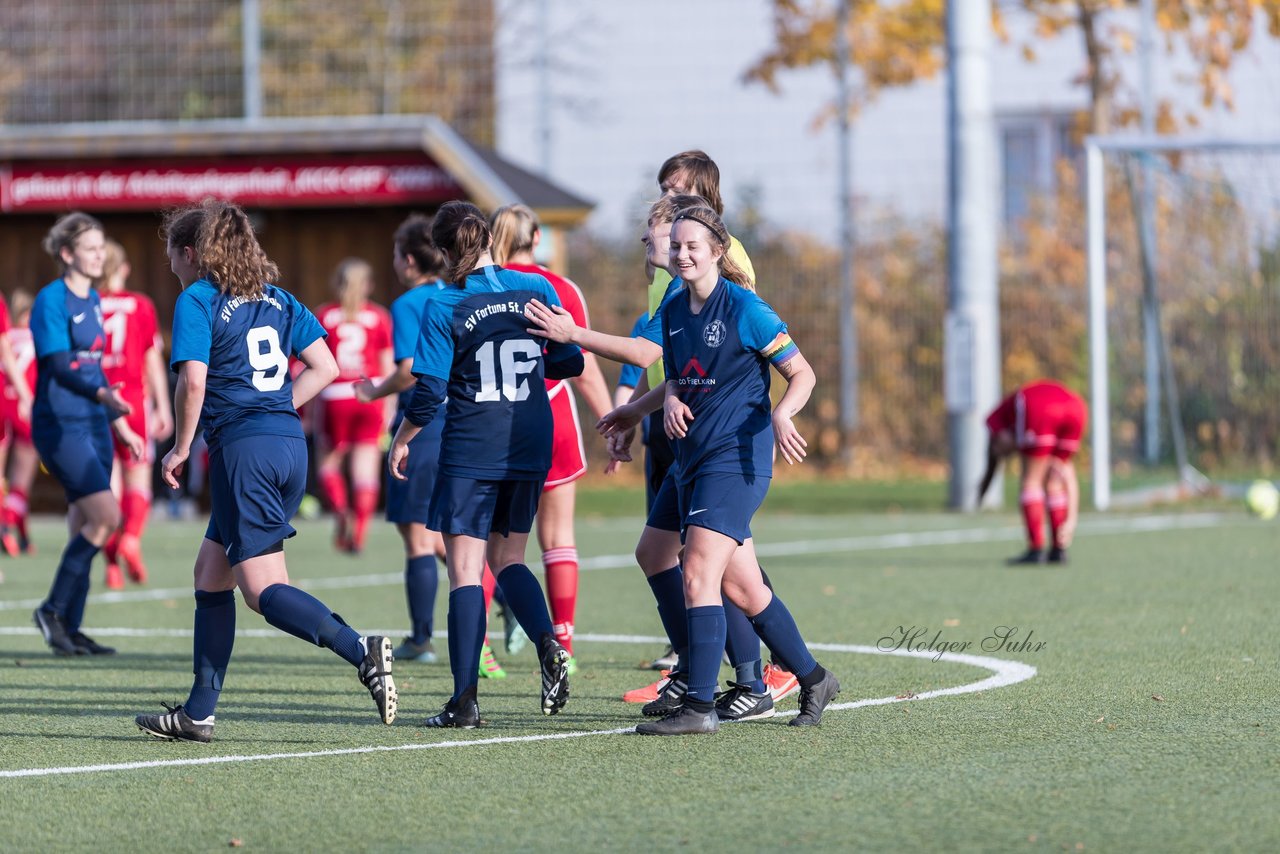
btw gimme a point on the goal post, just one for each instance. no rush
(1216, 205)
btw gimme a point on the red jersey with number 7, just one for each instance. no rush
(129, 323)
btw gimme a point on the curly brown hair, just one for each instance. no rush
(223, 238)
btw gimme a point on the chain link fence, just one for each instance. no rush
(132, 60)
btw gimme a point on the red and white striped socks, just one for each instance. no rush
(561, 567)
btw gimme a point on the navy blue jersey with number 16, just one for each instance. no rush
(498, 419)
(247, 344)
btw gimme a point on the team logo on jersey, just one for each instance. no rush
(714, 334)
(693, 366)
(695, 375)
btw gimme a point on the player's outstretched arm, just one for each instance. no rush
(320, 370)
(398, 380)
(625, 417)
(556, 324)
(188, 401)
(591, 385)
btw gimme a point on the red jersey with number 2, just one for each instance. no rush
(358, 344)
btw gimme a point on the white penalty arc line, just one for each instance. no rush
(1003, 674)
(842, 545)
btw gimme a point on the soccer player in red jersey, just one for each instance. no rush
(20, 461)
(516, 234)
(133, 358)
(359, 336)
(1043, 421)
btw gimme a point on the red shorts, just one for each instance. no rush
(13, 428)
(348, 422)
(139, 423)
(568, 458)
(1050, 423)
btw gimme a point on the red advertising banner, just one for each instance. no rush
(294, 182)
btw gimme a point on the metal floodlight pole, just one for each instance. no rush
(544, 85)
(1099, 383)
(1147, 206)
(251, 49)
(971, 365)
(848, 322)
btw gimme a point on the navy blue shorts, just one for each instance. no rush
(78, 454)
(476, 508)
(722, 502)
(256, 483)
(664, 511)
(408, 501)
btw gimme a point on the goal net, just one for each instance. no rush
(1184, 283)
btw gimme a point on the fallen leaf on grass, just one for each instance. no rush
(1157, 698)
(905, 695)
(1101, 719)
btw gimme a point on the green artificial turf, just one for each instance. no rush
(1151, 723)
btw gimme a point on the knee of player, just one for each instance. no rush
(653, 558)
(700, 585)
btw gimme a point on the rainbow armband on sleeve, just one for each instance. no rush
(780, 350)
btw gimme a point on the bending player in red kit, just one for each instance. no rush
(1043, 421)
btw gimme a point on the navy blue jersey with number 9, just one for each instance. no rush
(498, 419)
(247, 344)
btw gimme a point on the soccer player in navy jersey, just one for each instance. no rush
(74, 412)
(496, 453)
(750, 696)
(419, 266)
(516, 235)
(719, 341)
(233, 334)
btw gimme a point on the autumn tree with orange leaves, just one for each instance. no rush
(900, 43)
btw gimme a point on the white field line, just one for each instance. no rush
(1003, 673)
(842, 545)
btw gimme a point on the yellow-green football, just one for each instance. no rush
(1263, 499)
(309, 508)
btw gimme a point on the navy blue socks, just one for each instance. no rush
(743, 647)
(778, 630)
(706, 646)
(70, 585)
(421, 579)
(525, 599)
(467, 626)
(304, 616)
(215, 634)
(668, 590)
